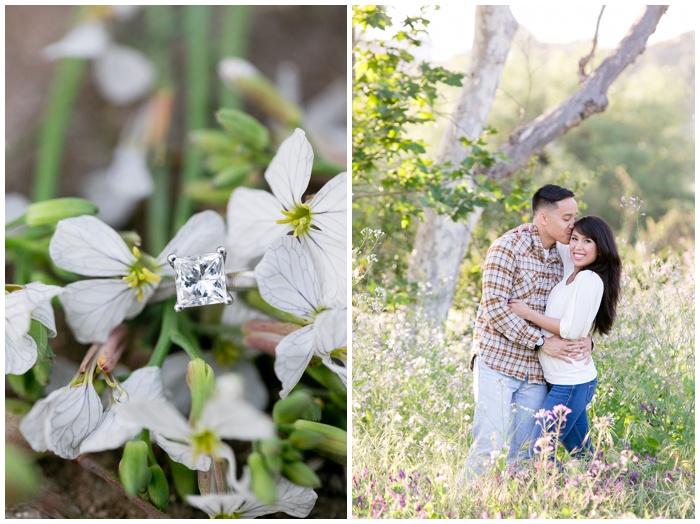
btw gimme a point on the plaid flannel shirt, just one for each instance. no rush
(514, 268)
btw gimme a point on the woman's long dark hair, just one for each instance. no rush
(607, 266)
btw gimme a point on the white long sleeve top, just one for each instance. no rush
(576, 305)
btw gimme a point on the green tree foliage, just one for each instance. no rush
(395, 176)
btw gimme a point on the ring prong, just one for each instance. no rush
(171, 259)
(221, 250)
(178, 308)
(229, 299)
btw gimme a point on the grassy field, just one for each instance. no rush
(413, 403)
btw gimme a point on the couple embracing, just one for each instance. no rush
(544, 291)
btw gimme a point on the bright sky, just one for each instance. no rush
(452, 27)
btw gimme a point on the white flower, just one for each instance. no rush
(33, 301)
(294, 500)
(287, 280)
(15, 206)
(87, 246)
(122, 74)
(174, 370)
(226, 415)
(257, 218)
(113, 430)
(61, 421)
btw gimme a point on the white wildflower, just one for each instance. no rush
(288, 281)
(32, 301)
(87, 246)
(294, 500)
(257, 218)
(226, 415)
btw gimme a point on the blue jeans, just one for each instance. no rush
(572, 432)
(503, 417)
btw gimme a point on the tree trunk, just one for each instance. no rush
(440, 243)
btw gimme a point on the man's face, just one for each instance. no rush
(560, 221)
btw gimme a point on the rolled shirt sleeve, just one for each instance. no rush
(498, 286)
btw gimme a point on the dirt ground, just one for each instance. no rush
(314, 37)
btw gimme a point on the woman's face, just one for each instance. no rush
(583, 250)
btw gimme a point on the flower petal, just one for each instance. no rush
(292, 499)
(252, 226)
(201, 234)
(294, 353)
(123, 74)
(20, 304)
(20, 354)
(113, 431)
(160, 417)
(95, 307)
(330, 262)
(15, 206)
(85, 40)
(74, 414)
(217, 504)
(114, 208)
(289, 172)
(330, 331)
(183, 453)
(32, 425)
(287, 278)
(129, 174)
(87, 246)
(236, 419)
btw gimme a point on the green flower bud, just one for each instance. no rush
(158, 489)
(51, 211)
(233, 176)
(133, 468)
(301, 474)
(290, 453)
(335, 440)
(210, 141)
(244, 127)
(202, 382)
(305, 438)
(291, 408)
(261, 480)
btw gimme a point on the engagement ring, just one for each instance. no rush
(200, 280)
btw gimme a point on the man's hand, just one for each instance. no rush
(568, 350)
(520, 308)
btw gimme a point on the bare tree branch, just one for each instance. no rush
(584, 61)
(590, 98)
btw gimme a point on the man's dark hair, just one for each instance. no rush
(548, 196)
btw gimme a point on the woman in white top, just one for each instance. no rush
(584, 300)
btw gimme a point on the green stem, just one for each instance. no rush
(54, 127)
(160, 25)
(235, 33)
(196, 79)
(163, 344)
(146, 437)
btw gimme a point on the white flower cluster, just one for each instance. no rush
(298, 252)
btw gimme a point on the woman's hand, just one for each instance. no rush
(522, 228)
(520, 308)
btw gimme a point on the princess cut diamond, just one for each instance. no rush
(200, 280)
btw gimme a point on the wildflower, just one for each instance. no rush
(61, 421)
(114, 430)
(195, 444)
(288, 281)
(30, 302)
(119, 187)
(257, 218)
(294, 500)
(122, 74)
(87, 246)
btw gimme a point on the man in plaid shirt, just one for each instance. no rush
(509, 385)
